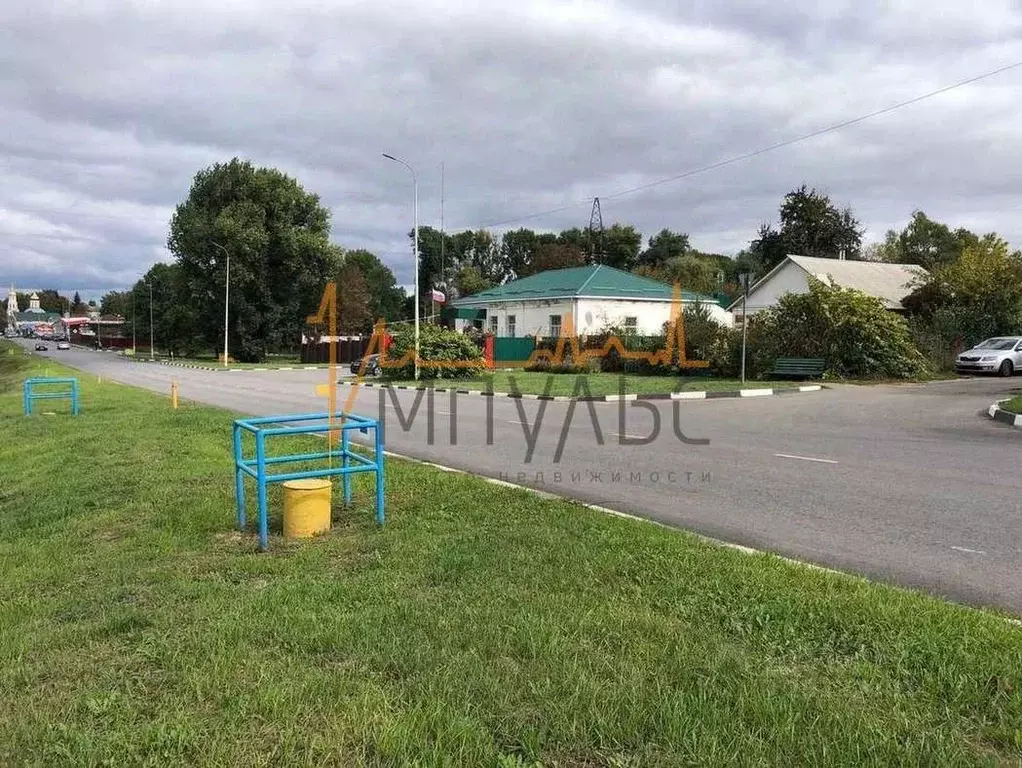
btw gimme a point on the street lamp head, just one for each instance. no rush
(391, 157)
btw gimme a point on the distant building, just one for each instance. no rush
(592, 298)
(33, 320)
(888, 282)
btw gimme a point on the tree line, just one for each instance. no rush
(277, 238)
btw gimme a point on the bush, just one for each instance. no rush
(700, 331)
(851, 331)
(445, 353)
(725, 351)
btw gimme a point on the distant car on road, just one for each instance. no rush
(63, 345)
(1001, 354)
(41, 348)
(369, 366)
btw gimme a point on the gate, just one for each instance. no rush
(507, 349)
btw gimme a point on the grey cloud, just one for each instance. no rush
(111, 110)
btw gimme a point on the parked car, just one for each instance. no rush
(1001, 354)
(63, 345)
(369, 366)
(40, 347)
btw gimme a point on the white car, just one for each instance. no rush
(1001, 354)
(63, 345)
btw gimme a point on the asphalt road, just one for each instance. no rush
(908, 484)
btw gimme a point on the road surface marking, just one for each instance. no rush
(970, 551)
(632, 437)
(688, 395)
(804, 458)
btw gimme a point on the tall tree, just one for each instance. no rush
(470, 280)
(51, 301)
(354, 313)
(479, 250)
(116, 303)
(575, 238)
(926, 242)
(691, 272)
(276, 235)
(78, 307)
(621, 246)
(385, 296)
(811, 225)
(438, 262)
(976, 296)
(557, 255)
(664, 246)
(518, 249)
(163, 295)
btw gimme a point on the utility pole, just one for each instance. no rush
(443, 233)
(415, 246)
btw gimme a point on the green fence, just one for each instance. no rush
(512, 350)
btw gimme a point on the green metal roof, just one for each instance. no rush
(37, 317)
(596, 280)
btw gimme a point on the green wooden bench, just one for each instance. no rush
(798, 367)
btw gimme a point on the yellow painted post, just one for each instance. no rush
(173, 393)
(306, 507)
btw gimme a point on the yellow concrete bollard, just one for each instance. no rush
(306, 507)
(173, 394)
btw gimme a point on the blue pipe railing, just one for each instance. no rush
(350, 462)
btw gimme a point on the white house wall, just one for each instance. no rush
(532, 318)
(790, 278)
(597, 314)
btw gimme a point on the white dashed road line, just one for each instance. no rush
(970, 551)
(804, 458)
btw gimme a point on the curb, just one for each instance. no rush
(1004, 417)
(232, 370)
(700, 395)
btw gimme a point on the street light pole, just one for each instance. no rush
(133, 350)
(227, 295)
(415, 246)
(152, 346)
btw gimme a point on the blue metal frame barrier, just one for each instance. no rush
(30, 395)
(308, 423)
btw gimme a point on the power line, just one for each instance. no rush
(764, 150)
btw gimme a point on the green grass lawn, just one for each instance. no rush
(1014, 405)
(481, 626)
(532, 382)
(273, 361)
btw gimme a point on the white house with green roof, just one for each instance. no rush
(593, 297)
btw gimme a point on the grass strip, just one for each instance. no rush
(481, 626)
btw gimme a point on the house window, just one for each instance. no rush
(631, 324)
(511, 326)
(493, 325)
(555, 325)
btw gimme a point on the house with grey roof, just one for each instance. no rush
(591, 298)
(888, 282)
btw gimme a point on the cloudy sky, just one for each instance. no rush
(111, 107)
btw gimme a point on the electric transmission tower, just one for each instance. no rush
(595, 233)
